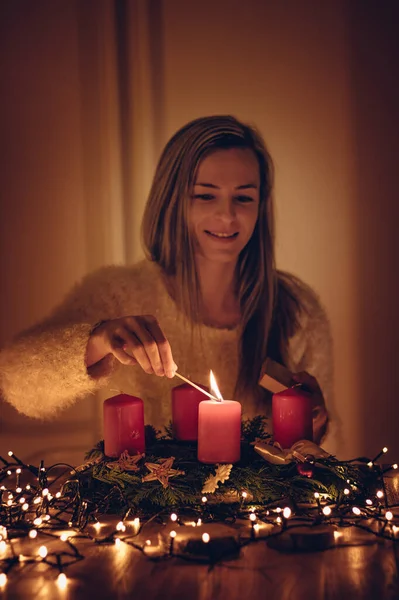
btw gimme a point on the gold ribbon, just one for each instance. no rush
(299, 452)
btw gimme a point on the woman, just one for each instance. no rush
(207, 296)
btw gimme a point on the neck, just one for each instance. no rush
(217, 283)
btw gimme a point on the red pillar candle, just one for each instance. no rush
(219, 431)
(185, 402)
(123, 425)
(292, 417)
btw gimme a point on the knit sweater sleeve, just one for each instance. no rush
(311, 350)
(43, 369)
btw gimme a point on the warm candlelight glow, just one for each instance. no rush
(214, 387)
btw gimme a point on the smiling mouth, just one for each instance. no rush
(222, 236)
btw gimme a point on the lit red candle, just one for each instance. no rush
(219, 429)
(292, 417)
(185, 403)
(123, 425)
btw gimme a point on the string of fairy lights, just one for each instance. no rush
(42, 505)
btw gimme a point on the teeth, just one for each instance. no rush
(221, 235)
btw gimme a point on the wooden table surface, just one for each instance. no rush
(365, 568)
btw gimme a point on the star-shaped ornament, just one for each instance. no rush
(126, 462)
(161, 471)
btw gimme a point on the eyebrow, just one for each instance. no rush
(246, 186)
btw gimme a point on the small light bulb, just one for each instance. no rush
(278, 510)
(18, 490)
(22, 500)
(287, 512)
(389, 515)
(172, 534)
(173, 517)
(18, 471)
(32, 534)
(206, 537)
(252, 517)
(43, 551)
(62, 581)
(8, 472)
(355, 510)
(97, 526)
(58, 495)
(10, 453)
(370, 464)
(3, 580)
(369, 502)
(25, 506)
(395, 466)
(316, 495)
(37, 521)
(278, 520)
(9, 502)
(256, 527)
(45, 492)
(27, 487)
(204, 499)
(346, 491)
(46, 518)
(3, 546)
(118, 542)
(37, 500)
(120, 526)
(380, 494)
(244, 494)
(148, 542)
(64, 537)
(326, 511)
(385, 449)
(199, 522)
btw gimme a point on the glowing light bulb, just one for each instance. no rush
(346, 491)
(37, 521)
(326, 511)
(370, 464)
(37, 500)
(244, 494)
(62, 581)
(43, 551)
(64, 537)
(22, 500)
(287, 512)
(380, 494)
(356, 510)
(32, 534)
(97, 526)
(25, 506)
(18, 471)
(369, 502)
(27, 487)
(204, 499)
(118, 542)
(3, 580)
(199, 522)
(316, 495)
(45, 492)
(120, 526)
(10, 453)
(173, 517)
(385, 449)
(252, 517)
(58, 495)
(278, 520)
(395, 466)
(148, 542)
(389, 515)
(173, 534)
(206, 537)
(18, 490)
(256, 527)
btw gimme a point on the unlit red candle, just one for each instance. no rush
(292, 417)
(123, 425)
(219, 431)
(185, 403)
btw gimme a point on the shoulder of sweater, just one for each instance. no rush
(139, 275)
(311, 309)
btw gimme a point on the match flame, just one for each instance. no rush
(214, 387)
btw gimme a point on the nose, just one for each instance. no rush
(225, 209)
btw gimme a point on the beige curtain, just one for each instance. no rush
(80, 112)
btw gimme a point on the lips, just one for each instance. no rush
(222, 235)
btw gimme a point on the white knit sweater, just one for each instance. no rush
(43, 370)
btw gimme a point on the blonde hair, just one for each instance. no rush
(166, 240)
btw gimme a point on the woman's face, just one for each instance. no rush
(225, 203)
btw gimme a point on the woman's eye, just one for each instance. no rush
(203, 197)
(244, 199)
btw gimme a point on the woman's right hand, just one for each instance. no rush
(133, 340)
